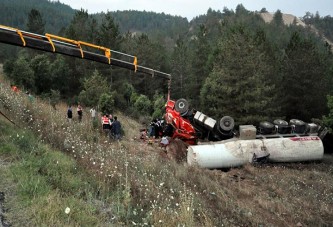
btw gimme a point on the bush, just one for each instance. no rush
(106, 103)
(143, 105)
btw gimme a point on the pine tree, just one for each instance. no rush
(199, 66)
(180, 69)
(304, 86)
(238, 84)
(109, 34)
(35, 22)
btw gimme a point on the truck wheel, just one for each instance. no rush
(266, 127)
(182, 106)
(299, 125)
(280, 122)
(297, 122)
(282, 126)
(227, 123)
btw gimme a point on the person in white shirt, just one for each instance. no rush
(93, 113)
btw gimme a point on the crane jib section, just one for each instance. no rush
(74, 48)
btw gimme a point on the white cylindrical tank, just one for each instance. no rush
(236, 152)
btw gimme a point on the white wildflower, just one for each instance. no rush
(67, 210)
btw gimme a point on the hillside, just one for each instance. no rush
(134, 183)
(290, 19)
(56, 15)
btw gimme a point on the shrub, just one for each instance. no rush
(143, 105)
(106, 103)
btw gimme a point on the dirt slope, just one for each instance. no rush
(288, 19)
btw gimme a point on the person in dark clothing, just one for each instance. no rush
(116, 128)
(69, 114)
(151, 131)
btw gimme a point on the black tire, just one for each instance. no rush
(297, 122)
(299, 126)
(227, 124)
(282, 126)
(266, 127)
(280, 122)
(182, 106)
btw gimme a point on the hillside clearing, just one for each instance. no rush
(141, 185)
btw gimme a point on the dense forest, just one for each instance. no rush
(225, 63)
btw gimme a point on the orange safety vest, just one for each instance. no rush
(105, 120)
(15, 89)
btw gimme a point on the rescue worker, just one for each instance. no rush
(14, 88)
(105, 123)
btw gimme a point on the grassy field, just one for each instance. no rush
(48, 164)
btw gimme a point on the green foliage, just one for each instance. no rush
(277, 18)
(54, 97)
(189, 51)
(237, 85)
(158, 106)
(45, 182)
(323, 24)
(21, 73)
(35, 22)
(181, 69)
(143, 105)
(304, 79)
(128, 91)
(328, 120)
(106, 103)
(54, 14)
(199, 61)
(40, 64)
(119, 101)
(156, 25)
(60, 75)
(109, 34)
(94, 87)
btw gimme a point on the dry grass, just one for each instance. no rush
(145, 187)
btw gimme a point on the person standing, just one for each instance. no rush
(110, 120)
(79, 112)
(116, 128)
(93, 113)
(94, 118)
(69, 114)
(105, 124)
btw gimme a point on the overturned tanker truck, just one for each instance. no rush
(225, 147)
(278, 142)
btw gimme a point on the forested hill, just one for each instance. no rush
(163, 27)
(225, 63)
(56, 15)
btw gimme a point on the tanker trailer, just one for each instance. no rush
(250, 147)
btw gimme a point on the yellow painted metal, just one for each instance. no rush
(135, 62)
(17, 31)
(51, 42)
